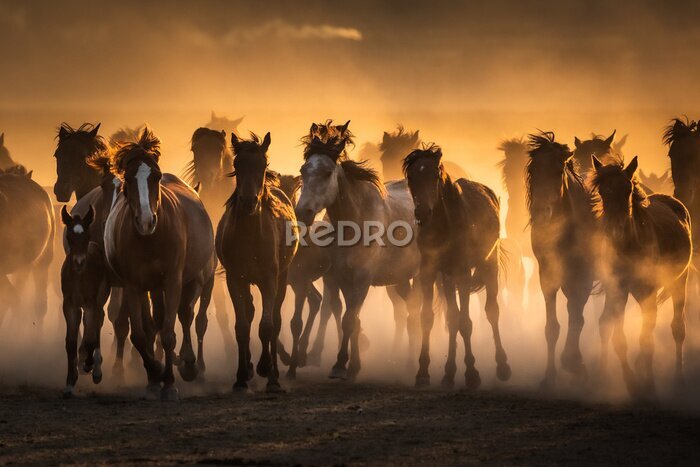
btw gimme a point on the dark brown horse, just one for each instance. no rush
(159, 240)
(5, 160)
(458, 232)
(75, 147)
(311, 262)
(563, 230)
(254, 248)
(601, 147)
(24, 250)
(212, 162)
(85, 288)
(647, 249)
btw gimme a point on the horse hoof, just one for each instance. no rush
(153, 391)
(353, 371)
(338, 373)
(301, 360)
(448, 381)
(503, 372)
(97, 376)
(187, 370)
(472, 379)
(274, 387)
(240, 387)
(169, 393)
(422, 381)
(68, 392)
(263, 369)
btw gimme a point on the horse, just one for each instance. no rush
(220, 123)
(351, 192)
(159, 240)
(6, 161)
(647, 250)
(512, 167)
(25, 250)
(563, 232)
(209, 168)
(253, 246)
(654, 183)
(85, 288)
(599, 146)
(311, 262)
(74, 148)
(458, 231)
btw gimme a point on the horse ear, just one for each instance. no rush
(314, 128)
(577, 142)
(620, 143)
(29, 174)
(596, 162)
(234, 139)
(632, 167)
(65, 216)
(386, 137)
(316, 140)
(62, 133)
(89, 217)
(223, 133)
(664, 177)
(266, 142)
(94, 131)
(610, 138)
(415, 137)
(2, 139)
(344, 128)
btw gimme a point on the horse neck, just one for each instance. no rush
(351, 197)
(87, 185)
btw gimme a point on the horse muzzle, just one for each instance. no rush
(63, 193)
(146, 225)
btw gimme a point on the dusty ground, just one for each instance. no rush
(327, 422)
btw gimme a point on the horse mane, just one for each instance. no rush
(101, 162)
(428, 150)
(189, 173)
(360, 171)
(148, 145)
(514, 160)
(400, 138)
(329, 133)
(125, 135)
(639, 196)
(96, 144)
(334, 147)
(679, 128)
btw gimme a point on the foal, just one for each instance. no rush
(458, 232)
(252, 245)
(647, 249)
(85, 288)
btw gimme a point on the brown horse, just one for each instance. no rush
(159, 240)
(563, 231)
(254, 248)
(5, 160)
(25, 250)
(212, 162)
(458, 231)
(85, 288)
(601, 147)
(75, 147)
(647, 249)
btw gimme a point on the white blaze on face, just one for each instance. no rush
(78, 229)
(322, 190)
(142, 175)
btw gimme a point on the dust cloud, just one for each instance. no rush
(466, 75)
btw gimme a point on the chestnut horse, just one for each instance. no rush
(159, 240)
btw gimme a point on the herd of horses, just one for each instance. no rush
(149, 246)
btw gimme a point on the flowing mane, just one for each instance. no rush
(96, 144)
(327, 132)
(148, 145)
(101, 162)
(359, 171)
(400, 139)
(679, 128)
(514, 160)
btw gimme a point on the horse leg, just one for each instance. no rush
(121, 331)
(577, 292)
(620, 341)
(114, 309)
(94, 318)
(452, 316)
(8, 296)
(427, 280)
(472, 379)
(644, 361)
(551, 328)
(268, 291)
(219, 295)
(158, 302)
(490, 274)
(142, 340)
(172, 296)
(314, 298)
(202, 322)
(71, 313)
(678, 294)
(356, 336)
(400, 316)
(330, 306)
(354, 295)
(606, 324)
(295, 326)
(185, 313)
(41, 282)
(273, 384)
(240, 295)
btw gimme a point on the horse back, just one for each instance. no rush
(671, 223)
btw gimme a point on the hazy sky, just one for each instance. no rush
(466, 73)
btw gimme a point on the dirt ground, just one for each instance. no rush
(330, 422)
